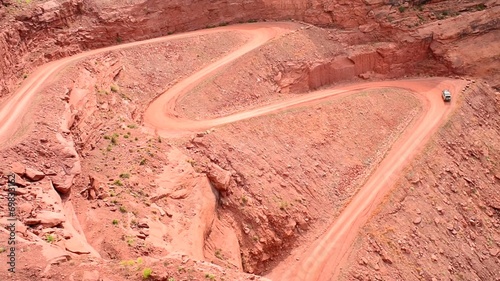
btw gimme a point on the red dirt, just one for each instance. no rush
(114, 182)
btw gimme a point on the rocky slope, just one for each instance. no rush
(442, 221)
(282, 187)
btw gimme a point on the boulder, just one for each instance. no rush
(34, 175)
(75, 246)
(50, 219)
(219, 177)
(19, 181)
(62, 182)
(18, 168)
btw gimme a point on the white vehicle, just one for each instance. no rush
(446, 95)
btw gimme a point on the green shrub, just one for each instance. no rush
(244, 200)
(283, 205)
(480, 7)
(50, 238)
(146, 273)
(123, 209)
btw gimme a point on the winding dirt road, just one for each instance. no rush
(324, 257)
(14, 108)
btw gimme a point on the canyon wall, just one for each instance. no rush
(32, 34)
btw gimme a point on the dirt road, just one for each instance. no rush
(324, 257)
(14, 108)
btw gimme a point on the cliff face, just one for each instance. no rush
(31, 37)
(54, 29)
(154, 18)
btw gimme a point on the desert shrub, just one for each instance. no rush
(146, 273)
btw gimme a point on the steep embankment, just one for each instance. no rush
(442, 221)
(291, 172)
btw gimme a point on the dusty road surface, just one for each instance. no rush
(324, 257)
(13, 109)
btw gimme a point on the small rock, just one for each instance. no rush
(21, 191)
(418, 211)
(433, 257)
(386, 260)
(169, 213)
(417, 220)
(34, 175)
(494, 252)
(31, 221)
(104, 106)
(368, 27)
(439, 209)
(449, 226)
(18, 168)
(246, 230)
(143, 223)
